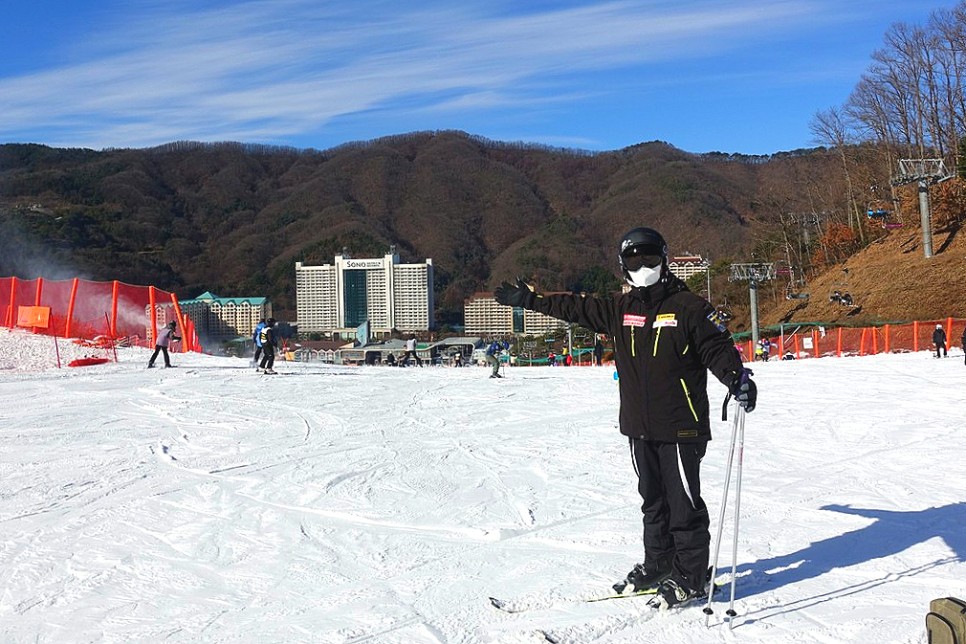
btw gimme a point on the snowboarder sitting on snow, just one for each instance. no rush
(161, 346)
(665, 341)
(267, 336)
(493, 352)
(939, 339)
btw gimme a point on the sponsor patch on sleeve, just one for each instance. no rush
(630, 319)
(715, 318)
(665, 319)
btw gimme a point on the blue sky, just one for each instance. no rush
(704, 75)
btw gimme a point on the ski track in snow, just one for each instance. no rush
(372, 504)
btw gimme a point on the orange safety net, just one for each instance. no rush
(818, 342)
(86, 309)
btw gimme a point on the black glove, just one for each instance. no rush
(744, 390)
(520, 294)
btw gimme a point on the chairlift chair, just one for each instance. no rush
(883, 216)
(791, 294)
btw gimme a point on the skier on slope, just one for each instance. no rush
(665, 340)
(163, 342)
(939, 339)
(269, 343)
(493, 351)
(257, 341)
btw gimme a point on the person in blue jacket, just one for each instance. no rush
(493, 352)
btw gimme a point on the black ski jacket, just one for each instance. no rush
(665, 341)
(939, 336)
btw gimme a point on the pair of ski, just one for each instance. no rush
(621, 591)
(511, 606)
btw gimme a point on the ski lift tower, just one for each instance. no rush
(925, 172)
(753, 274)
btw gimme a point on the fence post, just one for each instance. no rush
(949, 332)
(798, 355)
(886, 329)
(875, 340)
(915, 335)
(11, 317)
(154, 317)
(40, 290)
(112, 329)
(70, 307)
(185, 340)
(818, 354)
(838, 344)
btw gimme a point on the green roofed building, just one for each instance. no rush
(226, 317)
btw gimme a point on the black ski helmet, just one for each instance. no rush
(647, 240)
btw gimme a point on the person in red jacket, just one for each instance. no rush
(666, 339)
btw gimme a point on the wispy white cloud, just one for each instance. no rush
(271, 71)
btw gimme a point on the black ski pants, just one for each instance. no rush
(940, 346)
(268, 357)
(675, 517)
(154, 356)
(411, 354)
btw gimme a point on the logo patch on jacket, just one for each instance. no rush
(715, 318)
(631, 319)
(665, 319)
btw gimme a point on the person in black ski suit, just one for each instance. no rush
(269, 343)
(665, 341)
(939, 339)
(257, 341)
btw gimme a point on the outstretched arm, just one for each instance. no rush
(593, 313)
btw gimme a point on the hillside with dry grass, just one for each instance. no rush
(890, 281)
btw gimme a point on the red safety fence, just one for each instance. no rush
(90, 310)
(818, 342)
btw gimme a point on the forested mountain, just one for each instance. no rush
(234, 218)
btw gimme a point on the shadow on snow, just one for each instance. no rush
(889, 534)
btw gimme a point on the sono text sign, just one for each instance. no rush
(362, 263)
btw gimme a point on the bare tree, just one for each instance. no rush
(831, 128)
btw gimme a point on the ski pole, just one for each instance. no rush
(721, 514)
(734, 545)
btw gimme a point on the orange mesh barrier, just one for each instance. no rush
(862, 341)
(86, 309)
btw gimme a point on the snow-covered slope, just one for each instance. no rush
(329, 504)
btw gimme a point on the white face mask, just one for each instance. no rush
(644, 276)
